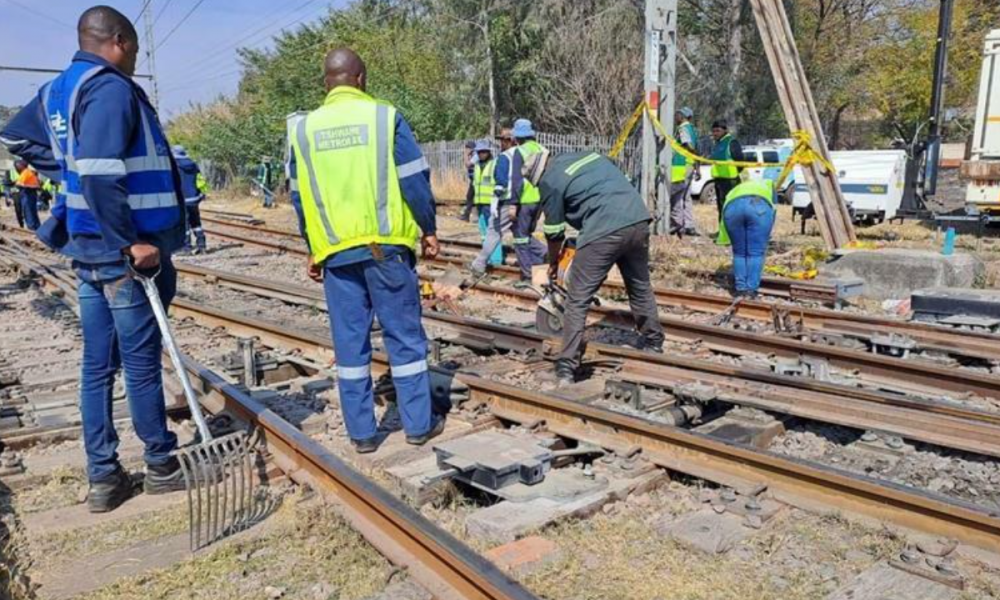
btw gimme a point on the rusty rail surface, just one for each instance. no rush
(978, 345)
(797, 482)
(434, 558)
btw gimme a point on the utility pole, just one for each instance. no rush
(147, 21)
(659, 93)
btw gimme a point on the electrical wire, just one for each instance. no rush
(35, 12)
(184, 19)
(159, 15)
(145, 5)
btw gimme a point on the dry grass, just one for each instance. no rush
(449, 187)
(308, 552)
(62, 488)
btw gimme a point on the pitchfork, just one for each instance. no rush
(218, 472)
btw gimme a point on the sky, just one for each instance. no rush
(195, 63)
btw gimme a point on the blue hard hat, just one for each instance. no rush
(178, 149)
(523, 129)
(687, 113)
(483, 146)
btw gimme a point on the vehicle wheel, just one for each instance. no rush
(707, 195)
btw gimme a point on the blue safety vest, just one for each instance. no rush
(147, 166)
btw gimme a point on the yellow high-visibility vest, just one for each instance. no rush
(530, 193)
(347, 176)
(483, 182)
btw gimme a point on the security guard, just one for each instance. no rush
(724, 177)
(682, 171)
(118, 201)
(588, 191)
(483, 185)
(190, 187)
(362, 191)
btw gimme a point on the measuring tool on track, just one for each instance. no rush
(218, 471)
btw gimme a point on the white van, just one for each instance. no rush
(872, 182)
(771, 152)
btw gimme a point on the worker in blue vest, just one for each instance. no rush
(747, 220)
(193, 196)
(364, 202)
(94, 130)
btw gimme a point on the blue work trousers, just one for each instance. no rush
(530, 252)
(355, 294)
(749, 221)
(484, 223)
(119, 329)
(29, 208)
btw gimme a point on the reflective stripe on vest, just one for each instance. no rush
(147, 167)
(574, 168)
(483, 182)
(723, 151)
(529, 193)
(352, 197)
(680, 165)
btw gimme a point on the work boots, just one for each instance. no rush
(165, 478)
(565, 373)
(109, 493)
(436, 429)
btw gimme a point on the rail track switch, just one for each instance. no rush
(491, 460)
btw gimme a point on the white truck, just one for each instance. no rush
(872, 181)
(983, 169)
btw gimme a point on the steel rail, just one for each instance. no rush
(937, 423)
(797, 482)
(441, 563)
(977, 345)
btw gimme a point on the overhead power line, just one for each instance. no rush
(145, 5)
(183, 20)
(34, 11)
(159, 15)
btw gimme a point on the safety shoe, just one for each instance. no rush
(691, 232)
(365, 446)
(436, 430)
(655, 347)
(109, 493)
(565, 374)
(165, 478)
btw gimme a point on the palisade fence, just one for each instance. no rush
(447, 161)
(449, 175)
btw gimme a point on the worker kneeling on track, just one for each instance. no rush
(118, 203)
(363, 198)
(587, 191)
(747, 219)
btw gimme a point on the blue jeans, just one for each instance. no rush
(268, 198)
(355, 294)
(29, 208)
(749, 221)
(530, 252)
(484, 222)
(119, 329)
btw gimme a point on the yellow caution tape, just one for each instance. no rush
(803, 153)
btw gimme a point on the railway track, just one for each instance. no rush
(968, 345)
(732, 464)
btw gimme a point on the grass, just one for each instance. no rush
(62, 488)
(305, 545)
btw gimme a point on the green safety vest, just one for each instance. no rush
(530, 193)
(722, 151)
(349, 184)
(201, 184)
(483, 182)
(680, 165)
(763, 189)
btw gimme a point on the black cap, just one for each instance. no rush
(720, 124)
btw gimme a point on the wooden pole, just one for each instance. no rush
(800, 112)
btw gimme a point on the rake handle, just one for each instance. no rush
(149, 286)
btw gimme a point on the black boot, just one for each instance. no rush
(165, 478)
(565, 373)
(109, 493)
(436, 429)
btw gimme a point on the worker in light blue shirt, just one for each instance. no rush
(93, 130)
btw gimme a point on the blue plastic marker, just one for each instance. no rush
(949, 242)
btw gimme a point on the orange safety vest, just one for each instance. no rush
(28, 179)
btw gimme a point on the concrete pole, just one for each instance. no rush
(150, 43)
(659, 90)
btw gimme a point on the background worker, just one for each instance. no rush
(724, 177)
(484, 185)
(470, 157)
(119, 203)
(191, 190)
(682, 171)
(7, 185)
(525, 197)
(265, 180)
(363, 199)
(747, 220)
(587, 191)
(28, 187)
(501, 212)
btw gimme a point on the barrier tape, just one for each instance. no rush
(803, 152)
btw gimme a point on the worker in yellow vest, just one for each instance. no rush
(361, 188)
(483, 186)
(724, 177)
(682, 171)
